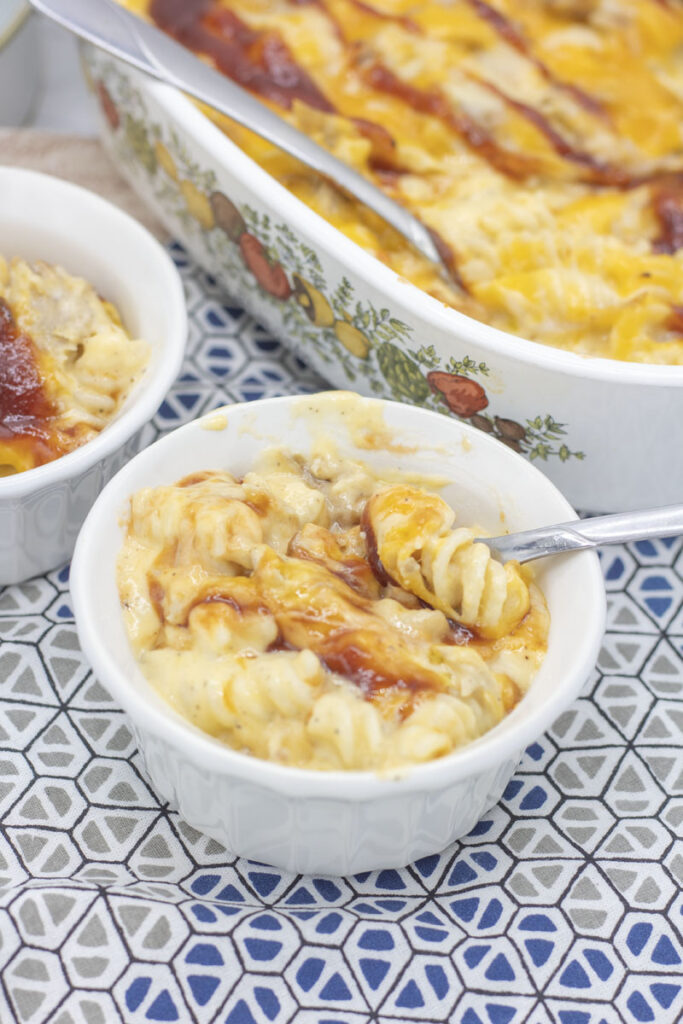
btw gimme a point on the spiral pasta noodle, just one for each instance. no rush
(306, 614)
(417, 549)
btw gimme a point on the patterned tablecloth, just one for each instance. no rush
(564, 904)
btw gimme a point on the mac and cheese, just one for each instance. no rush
(315, 615)
(66, 363)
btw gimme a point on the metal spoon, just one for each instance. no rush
(112, 28)
(587, 533)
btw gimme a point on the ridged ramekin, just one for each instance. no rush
(41, 217)
(338, 822)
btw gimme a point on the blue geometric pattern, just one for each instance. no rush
(563, 906)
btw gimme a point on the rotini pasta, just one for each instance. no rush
(321, 628)
(413, 543)
(68, 364)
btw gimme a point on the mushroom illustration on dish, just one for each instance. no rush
(271, 276)
(467, 399)
(227, 217)
(109, 108)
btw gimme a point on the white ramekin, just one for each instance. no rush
(612, 431)
(337, 822)
(41, 217)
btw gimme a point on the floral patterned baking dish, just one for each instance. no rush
(608, 433)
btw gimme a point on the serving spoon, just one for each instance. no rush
(122, 34)
(581, 534)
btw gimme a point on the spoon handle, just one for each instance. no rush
(588, 533)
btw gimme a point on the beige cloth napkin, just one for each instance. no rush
(83, 161)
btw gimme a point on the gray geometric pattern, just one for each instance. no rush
(564, 906)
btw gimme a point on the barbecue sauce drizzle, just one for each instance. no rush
(261, 62)
(512, 35)
(344, 651)
(667, 203)
(25, 409)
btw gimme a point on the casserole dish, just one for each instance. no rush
(43, 218)
(337, 822)
(607, 433)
